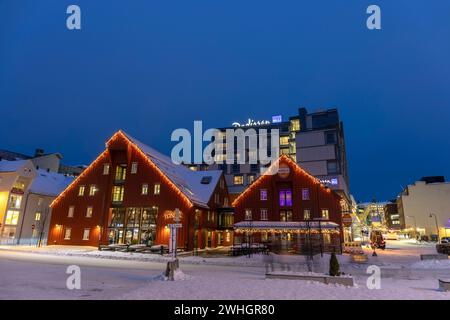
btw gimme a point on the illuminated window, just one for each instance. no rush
(295, 125)
(134, 166)
(238, 180)
(37, 216)
(285, 198)
(284, 151)
(93, 190)
(144, 189)
(307, 214)
(325, 214)
(305, 194)
(264, 214)
(118, 193)
(89, 212)
(263, 194)
(15, 201)
(121, 172)
(81, 191)
(86, 233)
(284, 140)
(248, 214)
(71, 211)
(286, 215)
(157, 188)
(250, 178)
(67, 233)
(12, 217)
(106, 169)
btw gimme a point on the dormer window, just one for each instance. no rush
(134, 167)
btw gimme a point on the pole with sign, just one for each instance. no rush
(173, 233)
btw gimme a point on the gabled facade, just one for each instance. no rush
(129, 194)
(280, 208)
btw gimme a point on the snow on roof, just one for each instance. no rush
(11, 166)
(50, 183)
(286, 224)
(188, 181)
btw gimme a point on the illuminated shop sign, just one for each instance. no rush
(253, 123)
(332, 181)
(277, 119)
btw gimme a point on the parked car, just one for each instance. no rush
(391, 236)
(377, 240)
(445, 240)
(443, 248)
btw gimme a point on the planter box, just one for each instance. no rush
(444, 285)
(437, 256)
(346, 281)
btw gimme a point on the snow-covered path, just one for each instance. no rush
(31, 275)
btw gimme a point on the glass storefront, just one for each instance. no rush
(133, 226)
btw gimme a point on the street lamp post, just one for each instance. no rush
(437, 226)
(415, 226)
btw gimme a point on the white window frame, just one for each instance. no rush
(92, 190)
(327, 217)
(106, 168)
(157, 189)
(248, 214)
(88, 234)
(304, 214)
(134, 167)
(65, 233)
(264, 214)
(306, 194)
(89, 211)
(71, 212)
(81, 191)
(144, 189)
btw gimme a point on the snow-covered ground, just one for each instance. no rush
(40, 273)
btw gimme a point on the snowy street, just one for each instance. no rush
(41, 274)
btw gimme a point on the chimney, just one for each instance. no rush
(39, 152)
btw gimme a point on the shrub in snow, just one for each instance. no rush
(334, 265)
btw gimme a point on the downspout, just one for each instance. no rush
(23, 218)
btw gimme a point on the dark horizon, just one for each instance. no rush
(149, 68)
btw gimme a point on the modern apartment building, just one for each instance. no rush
(425, 206)
(314, 140)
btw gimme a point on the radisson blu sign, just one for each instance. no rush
(253, 123)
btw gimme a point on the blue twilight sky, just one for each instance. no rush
(149, 67)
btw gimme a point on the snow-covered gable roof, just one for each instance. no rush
(188, 181)
(50, 183)
(12, 166)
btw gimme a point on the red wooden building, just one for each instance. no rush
(289, 209)
(129, 194)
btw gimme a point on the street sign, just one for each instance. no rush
(347, 220)
(174, 225)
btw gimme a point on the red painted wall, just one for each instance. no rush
(119, 151)
(296, 180)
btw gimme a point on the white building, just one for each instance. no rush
(426, 206)
(25, 197)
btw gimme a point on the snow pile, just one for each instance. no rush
(431, 264)
(179, 275)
